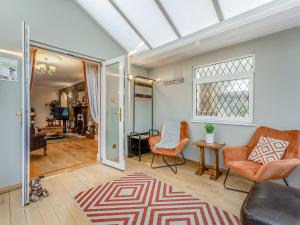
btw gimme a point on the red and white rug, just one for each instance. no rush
(142, 200)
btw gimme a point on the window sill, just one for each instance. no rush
(225, 123)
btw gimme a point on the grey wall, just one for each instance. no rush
(60, 23)
(277, 90)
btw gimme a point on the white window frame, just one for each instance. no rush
(242, 75)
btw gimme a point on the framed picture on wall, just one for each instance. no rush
(8, 69)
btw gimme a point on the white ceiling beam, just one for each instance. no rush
(168, 18)
(218, 9)
(130, 24)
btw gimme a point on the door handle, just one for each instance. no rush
(120, 114)
(19, 114)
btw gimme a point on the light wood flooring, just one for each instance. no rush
(61, 155)
(60, 208)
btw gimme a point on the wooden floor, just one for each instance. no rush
(60, 208)
(63, 154)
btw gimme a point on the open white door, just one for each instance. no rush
(25, 113)
(112, 113)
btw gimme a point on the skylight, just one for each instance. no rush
(139, 25)
(191, 16)
(231, 8)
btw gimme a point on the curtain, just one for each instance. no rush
(92, 88)
(32, 63)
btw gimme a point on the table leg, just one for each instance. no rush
(202, 168)
(215, 172)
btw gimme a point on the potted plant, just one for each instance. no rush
(209, 136)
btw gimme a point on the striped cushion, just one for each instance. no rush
(268, 149)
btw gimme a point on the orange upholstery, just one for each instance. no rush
(235, 158)
(184, 139)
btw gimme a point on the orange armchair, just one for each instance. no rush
(184, 139)
(236, 158)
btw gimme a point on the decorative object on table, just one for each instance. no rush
(236, 158)
(209, 133)
(37, 191)
(215, 147)
(141, 199)
(271, 203)
(178, 150)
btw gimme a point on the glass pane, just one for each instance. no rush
(148, 19)
(243, 64)
(104, 13)
(231, 8)
(112, 112)
(223, 99)
(191, 16)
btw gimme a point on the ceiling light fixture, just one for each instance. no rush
(45, 69)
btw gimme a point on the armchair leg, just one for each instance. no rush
(285, 181)
(45, 151)
(230, 188)
(167, 164)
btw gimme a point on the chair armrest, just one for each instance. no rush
(278, 169)
(235, 153)
(181, 145)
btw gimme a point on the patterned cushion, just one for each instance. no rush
(268, 149)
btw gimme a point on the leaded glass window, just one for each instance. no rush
(223, 91)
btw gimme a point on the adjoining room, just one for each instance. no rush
(64, 134)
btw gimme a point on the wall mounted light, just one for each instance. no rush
(130, 77)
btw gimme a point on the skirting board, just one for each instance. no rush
(10, 188)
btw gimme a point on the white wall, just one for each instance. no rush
(40, 96)
(61, 23)
(276, 97)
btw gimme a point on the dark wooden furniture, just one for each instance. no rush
(80, 126)
(52, 132)
(37, 140)
(215, 147)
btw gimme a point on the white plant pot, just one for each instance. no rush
(209, 138)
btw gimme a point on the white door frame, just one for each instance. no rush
(26, 44)
(121, 164)
(25, 115)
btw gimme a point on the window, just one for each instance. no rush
(223, 91)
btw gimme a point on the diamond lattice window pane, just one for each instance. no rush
(243, 64)
(223, 99)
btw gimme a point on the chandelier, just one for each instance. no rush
(45, 69)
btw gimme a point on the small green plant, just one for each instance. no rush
(209, 128)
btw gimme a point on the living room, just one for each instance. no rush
(64, 135)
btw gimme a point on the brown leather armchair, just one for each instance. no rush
(37, 140)
(236, 158)
(184, 139)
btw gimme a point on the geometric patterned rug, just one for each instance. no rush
(142, 200)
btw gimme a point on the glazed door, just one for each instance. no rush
(112, 125)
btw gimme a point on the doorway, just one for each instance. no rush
(104, 123)
(63, 130)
